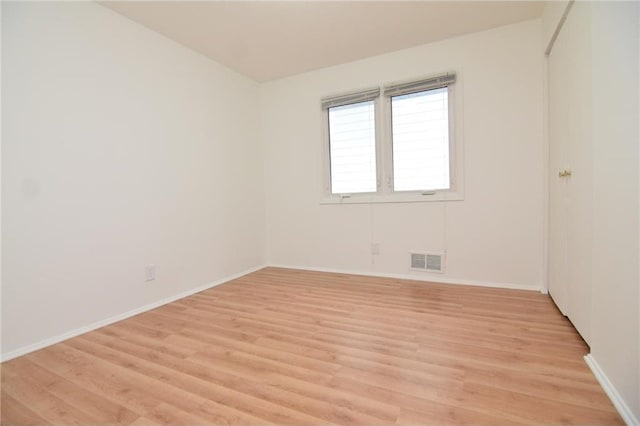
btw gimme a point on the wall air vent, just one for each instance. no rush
(429, 262)
(418, 261)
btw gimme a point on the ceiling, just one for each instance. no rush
(267, 40)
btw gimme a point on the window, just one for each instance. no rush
(420, 138)
(352, 140)
(352, 144)
(398, 148)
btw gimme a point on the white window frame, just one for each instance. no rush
(384, 157)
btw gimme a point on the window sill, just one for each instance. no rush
(411, 197)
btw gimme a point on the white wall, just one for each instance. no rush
(616, 211)
(494, 236)
(120, 148)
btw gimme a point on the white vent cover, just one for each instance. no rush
(430, 262)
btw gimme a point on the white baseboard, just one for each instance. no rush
(426, 277)
(73, 333)
(617, 400)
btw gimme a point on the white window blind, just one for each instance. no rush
(420, 138)
(433, 82)
(351, 98)
(352, 145)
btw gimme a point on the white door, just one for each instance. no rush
(571, 158)
(558, 162)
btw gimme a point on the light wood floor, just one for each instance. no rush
(303, 348)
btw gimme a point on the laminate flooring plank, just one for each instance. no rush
(193, 384)
(16, 413)
(78, 397)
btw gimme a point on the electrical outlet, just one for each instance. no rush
(375, 249)
(150, 272)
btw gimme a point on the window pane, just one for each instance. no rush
(352, 143)
(420, 123)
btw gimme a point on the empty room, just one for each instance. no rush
(320, 212)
